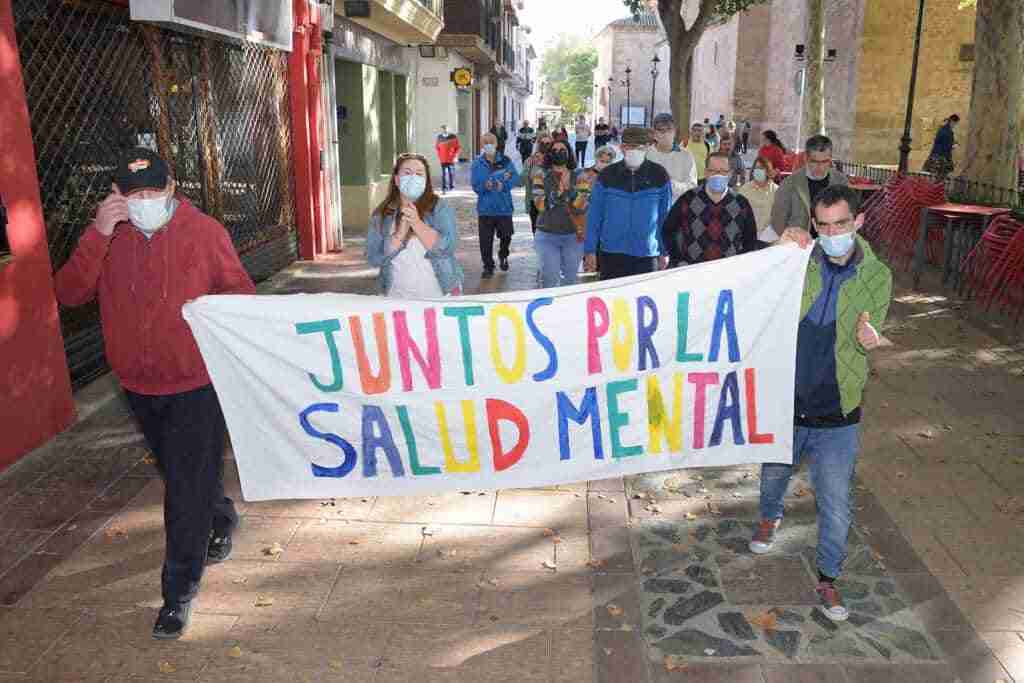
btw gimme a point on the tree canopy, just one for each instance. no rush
(568, 68)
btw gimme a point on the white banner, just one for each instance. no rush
(331, 395)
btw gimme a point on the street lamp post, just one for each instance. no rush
(906, 139)
(654, 82)
(611, 115)
(629, 113)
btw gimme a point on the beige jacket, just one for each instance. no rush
(792, 205)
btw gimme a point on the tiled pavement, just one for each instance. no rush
(646, 580)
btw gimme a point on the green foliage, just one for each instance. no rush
(723, 8)
(568, 68)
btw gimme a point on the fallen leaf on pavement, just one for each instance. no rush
(674, 663)
(166, 667)
(691, 516)
(274, 550)
(336, 664)
(765, 620)
(709, 651)
(149, 459)
(235, 652)
(556, 539)
(548, 564)
(264, 601)
(596, 564)
(353, 542)
(238, 580)
(549, 532)
(607, 652)
(640, 496)
(926, 434)
(615, 610)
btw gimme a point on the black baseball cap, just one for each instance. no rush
(141, 169)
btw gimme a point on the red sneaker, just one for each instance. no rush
(764, 537)
(831, 603)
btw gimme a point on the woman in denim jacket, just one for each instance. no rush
(412, 236)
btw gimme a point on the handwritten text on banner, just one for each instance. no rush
(340, 395)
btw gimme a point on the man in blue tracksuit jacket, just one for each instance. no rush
(493, 177)
(628, 204)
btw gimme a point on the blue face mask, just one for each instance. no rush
(412, 186)
(717, 184)
(836, 246)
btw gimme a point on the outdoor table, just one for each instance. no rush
(957, 243)
(866, 190)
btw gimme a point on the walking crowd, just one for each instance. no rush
(651, 202)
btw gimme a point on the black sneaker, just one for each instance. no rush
(172, 621)
(504, 263)
(487, 274)
(219, 548)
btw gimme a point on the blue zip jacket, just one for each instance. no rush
(442, 254)
(627, 209)
(494, 202)
(817, 386)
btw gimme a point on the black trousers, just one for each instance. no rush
(489, 226)
(614, 265)
(746, 141)
(525, 150)
(447, 176)
(186, 434)
(581, 153)
(533, 217)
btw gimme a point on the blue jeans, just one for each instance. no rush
(833, 453)
(560, 257)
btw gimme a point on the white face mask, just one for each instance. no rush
(635, 157)
(490, 149)
(760, 175)
(149, 215)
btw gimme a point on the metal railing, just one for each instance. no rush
(98, 84)
(958, 188)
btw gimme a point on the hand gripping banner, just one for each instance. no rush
(332, 395)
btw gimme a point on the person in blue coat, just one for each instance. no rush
(628, 204)
(493, 177)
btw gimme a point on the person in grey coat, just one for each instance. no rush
(794, 199)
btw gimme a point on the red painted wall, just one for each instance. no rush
(35, 387)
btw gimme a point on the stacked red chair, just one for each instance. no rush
(899, 222)
(986, 269)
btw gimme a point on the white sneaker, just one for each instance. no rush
(831, 603)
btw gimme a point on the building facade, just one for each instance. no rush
(750, 68)
(631, 44)
(375, 85)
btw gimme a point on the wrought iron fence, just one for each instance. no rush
(98, 84)
(958, 189)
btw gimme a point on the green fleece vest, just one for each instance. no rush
(870, 290)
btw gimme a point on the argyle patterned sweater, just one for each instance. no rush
(698, 230)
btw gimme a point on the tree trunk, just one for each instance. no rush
(814, 97)
(991, 155)
(680, 84)
(682, 42)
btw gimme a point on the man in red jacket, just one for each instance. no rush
(447, 147)
(147, 253)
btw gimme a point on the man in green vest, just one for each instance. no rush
(846, 294)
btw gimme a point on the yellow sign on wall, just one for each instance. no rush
(462, 77)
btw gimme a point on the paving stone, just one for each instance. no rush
(554, 510)
(694, 643)
(687, 608)
(786, 642)
(772, 579)
(803, 673)
(900, 638)
(486, 549)
(736, 625)
(834, 647)
(619, 656)
(702, 575)
(662, 585)
(709, 672)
